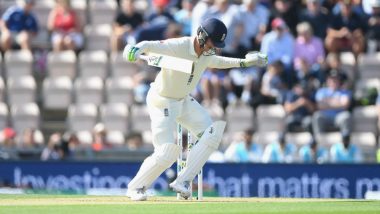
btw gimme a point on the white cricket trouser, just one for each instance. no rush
(165, 113)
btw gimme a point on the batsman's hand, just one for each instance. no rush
(254, 59)
(131, 53)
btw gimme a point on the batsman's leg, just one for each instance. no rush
(166, 151)
(196, 119)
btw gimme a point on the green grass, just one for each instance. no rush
(30, 204)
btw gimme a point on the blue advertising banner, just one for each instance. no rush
(229, 180)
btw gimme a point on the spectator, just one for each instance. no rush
(135, 141)
(53, 149)
(65, 27)
(229, 15)
(310, 77)
(18, 25)
(158, 22)
(29, 138)
(161, 16)
(334, 65)
(279, 44)
(100, 138)
(345, 152)
(211, 86)
(287, 10)
(312, 153)
(243, 149)
(308, 47)
(272, 87)
(9, 137)
(345, 32)
(299, 108)
(125, 24)
(65, 146)
(329, 5)
(333, 103)
(317, 16)
(184, 16)
(279, 151)
(373, 33)
(243, 83)
(255, 19)
(73, 141)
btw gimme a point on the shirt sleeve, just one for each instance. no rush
(319, 95)
(7, 14)
(166, 47)
(221, 62)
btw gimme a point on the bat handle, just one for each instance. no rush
(144, 57)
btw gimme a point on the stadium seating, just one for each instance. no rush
(21, 90)
(18, 63)
(365, 140)
(41, 10)
(4, 114)
(329, 138)
(98, 37)
(299, 139)
(82, 117)
(120, 90)
(93, 64)
(140, 118)
(89, 90)
(239, 117)
(215, 111)
(270, 118)
(57, 92)
(121, 67)
(265, 138)
(348, 63)
(102, 11)
(369, 65)
(62, 64)
(25, 116)
(80, 8)
(365, 119)
(115, 117)
(2, 90)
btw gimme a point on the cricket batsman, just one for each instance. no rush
(169, 103)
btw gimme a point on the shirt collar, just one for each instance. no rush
(191, 47)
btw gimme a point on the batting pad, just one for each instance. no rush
(152, 167)
(200, 153)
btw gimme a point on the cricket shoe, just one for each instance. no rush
(182, 188)
(137, 194)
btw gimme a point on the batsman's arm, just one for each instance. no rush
(165, 47)
(251, 59)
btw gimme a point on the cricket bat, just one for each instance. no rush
(168, 62)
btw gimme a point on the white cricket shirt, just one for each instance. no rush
(175, 84)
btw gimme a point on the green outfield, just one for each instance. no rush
(56, 204)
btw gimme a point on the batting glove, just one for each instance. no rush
(254, 59)
(131, 53)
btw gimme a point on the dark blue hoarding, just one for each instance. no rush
(233, 180)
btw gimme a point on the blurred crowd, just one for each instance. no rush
(304, 40)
